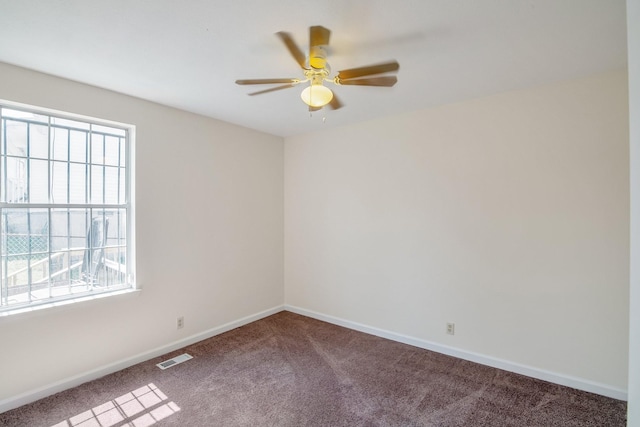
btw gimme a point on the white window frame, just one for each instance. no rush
(128, 206)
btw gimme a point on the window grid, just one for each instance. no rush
(105, 211)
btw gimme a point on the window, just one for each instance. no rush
(65, 207)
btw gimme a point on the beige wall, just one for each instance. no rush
(209, 238)
(508, 215)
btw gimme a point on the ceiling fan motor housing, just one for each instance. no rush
(317, 57)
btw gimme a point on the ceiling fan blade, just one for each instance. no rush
(273, 89)
(318, 36)
(265, 81)
(293, 48)
(335, 103)
(369, 70)
(386, 81)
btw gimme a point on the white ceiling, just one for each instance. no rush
(188, 54)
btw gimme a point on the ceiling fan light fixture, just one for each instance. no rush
(316, 95)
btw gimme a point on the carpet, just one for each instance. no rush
(291, 370)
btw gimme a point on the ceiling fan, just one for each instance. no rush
(316, 71)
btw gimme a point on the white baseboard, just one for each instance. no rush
(553, 377)
(33, 395)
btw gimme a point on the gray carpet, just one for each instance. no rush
(290, 370)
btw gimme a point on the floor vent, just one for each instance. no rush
(174, 361)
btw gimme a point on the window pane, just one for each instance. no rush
(38, 181)
(58, 243)
(25, 231)
(60, 143)
(59, 182)
(115, 266)
(122, 226)
(15, 229)
(111, 185)
(39, 275)
(97, 149)
(77, 242)
(59, 268)
(77, 183)
(16, 184)
(39, 141)
(78, 147)
(38, 230)
(112, 235)
(97, 190)
(123, 181)
(17, 273)
(16, 139)
(112, 150)
(59, 229)
(93, 263)
(75, 265)
(78, 223)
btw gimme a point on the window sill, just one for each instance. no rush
(66, 304)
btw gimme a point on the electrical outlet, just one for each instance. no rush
(180, 322)
(451, 328)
